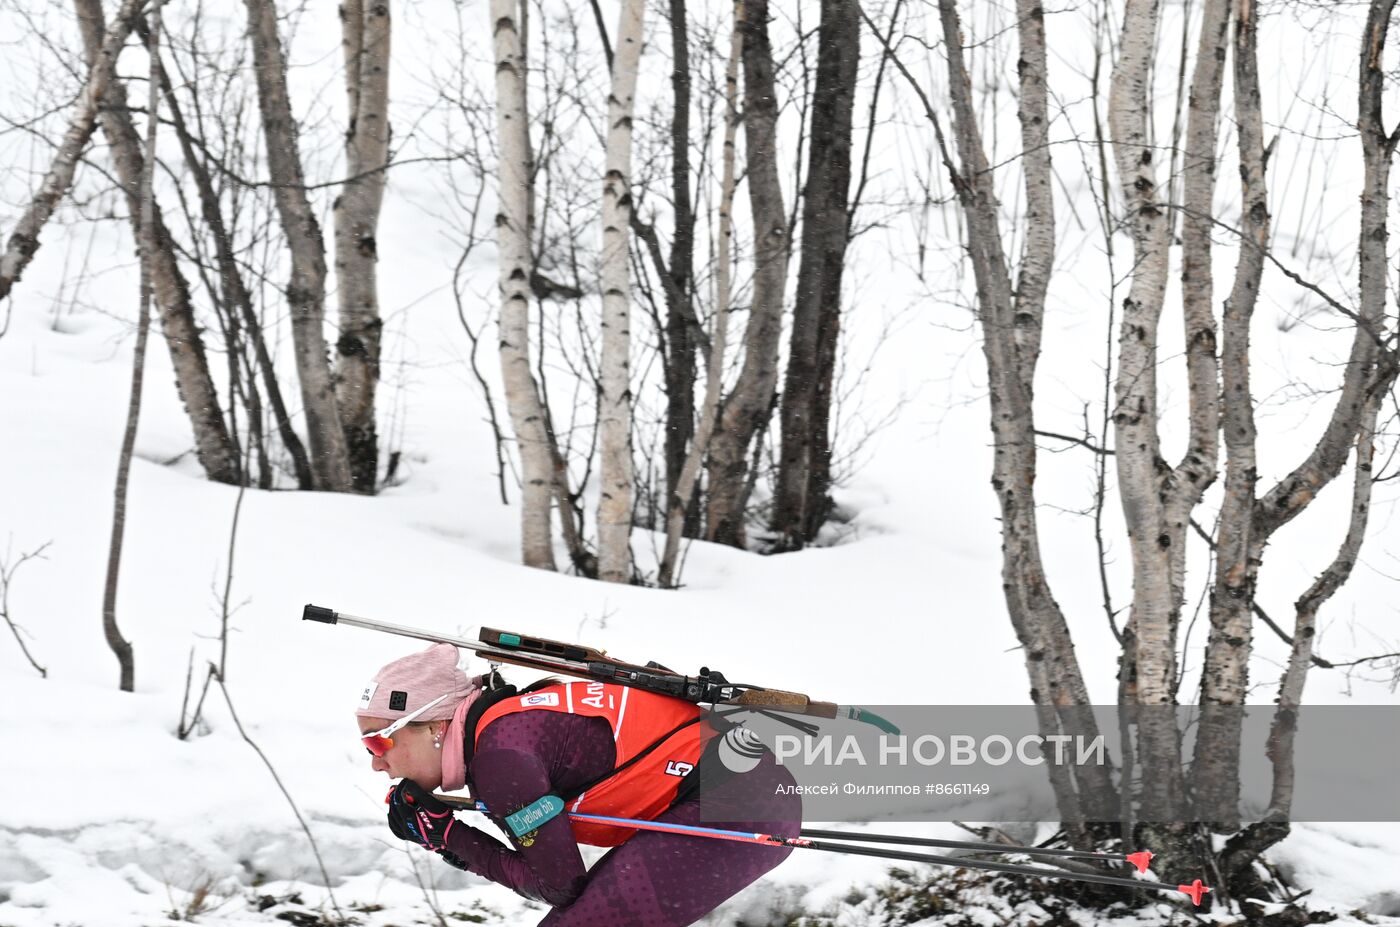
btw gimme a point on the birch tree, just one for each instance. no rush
(1369, 373)
(365, 29)
(306, 290)
(1152, 623)
(1011, 316)
(615, 418)
(748, 407)
(514, 257)
(1157, 498)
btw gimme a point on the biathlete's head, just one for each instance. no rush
(411, 716)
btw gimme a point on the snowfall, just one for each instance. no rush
(108, 818)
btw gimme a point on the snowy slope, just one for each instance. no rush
(107, 818)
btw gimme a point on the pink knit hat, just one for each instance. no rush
(411, 682)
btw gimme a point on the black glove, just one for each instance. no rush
(452, 859)
(416, 814)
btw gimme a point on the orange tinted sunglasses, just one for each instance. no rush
(379, 742)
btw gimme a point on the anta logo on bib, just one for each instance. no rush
(540, 698)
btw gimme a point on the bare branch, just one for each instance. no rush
(7, 575)
(24, 237)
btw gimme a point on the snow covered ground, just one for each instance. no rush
(107, 818)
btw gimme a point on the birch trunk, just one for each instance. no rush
(1011, 324)
(1241, 850)
(365, 37)
(1155, 609)
(306, 290)
(804, 465)
(1197, 469)
(749, 406)
(615, 414)
(214, 446)
(1215, 763)
(513, 244)
(1198, 170)
(1368, 373)
(679, 502)
(1290, 691)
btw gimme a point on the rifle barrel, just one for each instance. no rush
(554, 664)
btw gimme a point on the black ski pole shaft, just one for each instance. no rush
(980, 846)
(1194, 891)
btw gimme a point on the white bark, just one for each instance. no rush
(1290, 690)
(1152, 624)
(1197, 470)
(615, 419)
(1010, 320)
(1369, 373)
(366, 34)
(513, 244)
(1224, 677)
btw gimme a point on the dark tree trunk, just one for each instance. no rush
(213, 445)
(147, 245)
(804, 467)
(681, 325)
(237, 296)
(306, 290)
(749, 407)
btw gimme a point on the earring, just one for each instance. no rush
(437, 742)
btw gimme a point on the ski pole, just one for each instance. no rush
(1194, 891)
(1140, 859)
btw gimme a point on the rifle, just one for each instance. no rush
(708, 686)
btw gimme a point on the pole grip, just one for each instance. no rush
(456, 801)
(319, 613)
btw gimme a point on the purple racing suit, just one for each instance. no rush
(654, 879)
